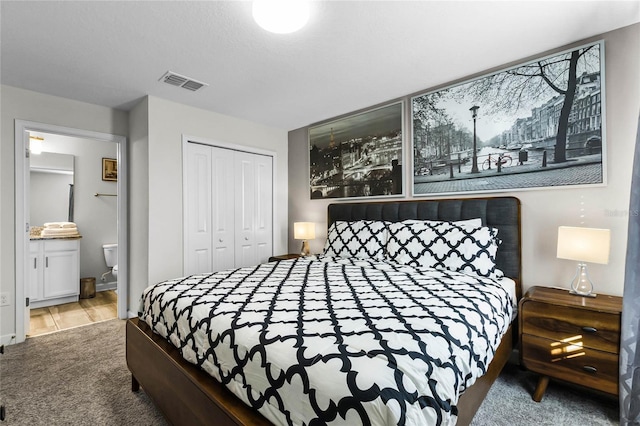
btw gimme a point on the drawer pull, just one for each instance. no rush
(589, 329)
(590, 369)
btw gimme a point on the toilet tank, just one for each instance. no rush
(110, 254)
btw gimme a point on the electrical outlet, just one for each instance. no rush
(4, 299)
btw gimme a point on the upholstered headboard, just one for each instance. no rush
(502, 213)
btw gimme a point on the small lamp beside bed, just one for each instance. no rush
(304, 231)
(583, 245)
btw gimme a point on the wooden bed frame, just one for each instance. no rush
(186, 395)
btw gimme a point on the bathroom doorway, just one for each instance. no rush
(95, 203)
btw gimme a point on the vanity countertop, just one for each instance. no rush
(38, 237)
(35, 233)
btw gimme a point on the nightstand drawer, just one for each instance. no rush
(596, 330)
(571, 362)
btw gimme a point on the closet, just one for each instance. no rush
(228, 208)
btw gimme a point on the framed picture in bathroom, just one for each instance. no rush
(110, 169)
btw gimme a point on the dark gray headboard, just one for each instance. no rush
(502, 213)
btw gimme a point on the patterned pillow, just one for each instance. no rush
(447, 245)
(363, 239)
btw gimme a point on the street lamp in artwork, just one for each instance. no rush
(474, 114)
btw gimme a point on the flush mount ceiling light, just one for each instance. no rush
(281, 16)
(35, 144)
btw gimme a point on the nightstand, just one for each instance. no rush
(570, 338)
(284, 257)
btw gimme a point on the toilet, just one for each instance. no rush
(111, 257)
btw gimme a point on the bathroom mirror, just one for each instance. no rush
(51, 188)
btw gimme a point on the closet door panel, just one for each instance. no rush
(198, 213)
(228, 209)
(223, 209)
(245, 209)
(264, 207)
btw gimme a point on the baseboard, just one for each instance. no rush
(8, 339)
(111, 285)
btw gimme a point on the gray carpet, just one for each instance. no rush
(73, 377)
(509, 403)
(80, 377)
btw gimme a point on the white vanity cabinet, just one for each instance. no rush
(54, 272)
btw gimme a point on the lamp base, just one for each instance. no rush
(575, 293)
(581, 284)
(305, 248)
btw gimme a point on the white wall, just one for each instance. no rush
(542, 210)
(155, 179)
(32, 106)
(138, 202)
(167, 123)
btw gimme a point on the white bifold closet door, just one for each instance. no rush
(228, 209)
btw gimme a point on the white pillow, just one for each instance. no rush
(362, 239)
(462, 248)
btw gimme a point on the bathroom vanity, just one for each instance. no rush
(54, 271)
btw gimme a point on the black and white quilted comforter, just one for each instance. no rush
(321, 340)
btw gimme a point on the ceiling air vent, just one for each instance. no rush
(181, 81)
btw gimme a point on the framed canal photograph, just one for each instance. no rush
(535, 125)
(358, 156)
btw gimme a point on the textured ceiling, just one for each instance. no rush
(351, 54)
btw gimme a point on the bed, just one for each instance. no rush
(186, 394)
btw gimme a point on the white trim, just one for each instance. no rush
(21, 139)
(233, 146)
(242, 148)
(8, 339)
(112, 285)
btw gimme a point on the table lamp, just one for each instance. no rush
(583, 245)
(304, 231)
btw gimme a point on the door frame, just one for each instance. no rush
(21, 140)
(186, 139)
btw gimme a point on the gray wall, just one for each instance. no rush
(33, 106)
(542, 210)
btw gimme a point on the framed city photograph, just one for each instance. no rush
(358, 156)
(536, 125)
(109, 169)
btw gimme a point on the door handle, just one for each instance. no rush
(46, 262)
(589, 329)
(590, 369)
(35, 263)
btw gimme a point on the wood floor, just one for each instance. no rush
(86, 311)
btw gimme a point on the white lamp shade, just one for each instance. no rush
(589, 245)
(281, 16)
(304, 230)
